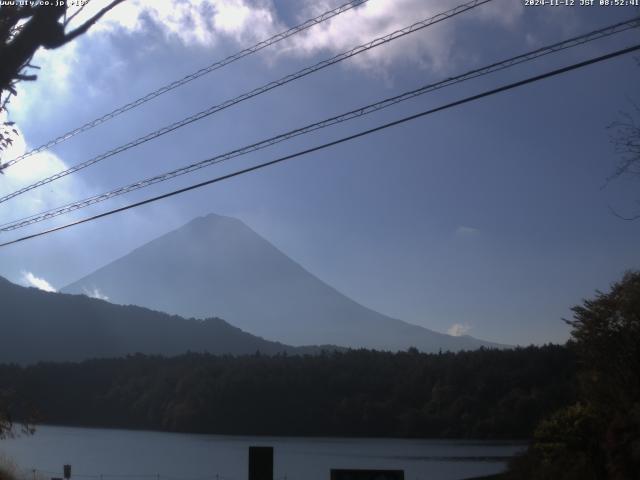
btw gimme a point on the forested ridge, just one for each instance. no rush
(480, 394)
(45, 326)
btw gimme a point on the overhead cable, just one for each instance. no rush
(365, 110)
(332, 143)
(188, 78)
(260, 90)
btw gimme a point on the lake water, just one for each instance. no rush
(101, 454)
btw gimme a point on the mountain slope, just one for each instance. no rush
(41, 326)
(217, 265)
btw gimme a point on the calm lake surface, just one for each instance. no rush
(127, 454)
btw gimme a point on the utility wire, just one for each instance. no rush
(178, 83)
(501, 65)
(265, 88)
(363, 133)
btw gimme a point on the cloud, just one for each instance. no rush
(193, 22)
(95, 293)
(30, 170)
(239, 20)
(70, 69)
(370, 21)
(54, 84)
(204, 22)
(430, 49)
(32, 281)
(458, 329)
(466, 231)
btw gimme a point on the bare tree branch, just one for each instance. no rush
(25, 28)
(622, 217)
(624, 134)
(89, 23)
(68, 20)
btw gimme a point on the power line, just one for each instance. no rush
(265, 88)
(335, 142)
(188, 78)
(519, 59)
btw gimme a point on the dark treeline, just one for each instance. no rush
(481, 394)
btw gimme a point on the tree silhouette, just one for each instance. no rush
(25, 28)
(599, 436)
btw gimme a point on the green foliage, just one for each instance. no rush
(567, 444)
(606, 336)
(7, 469)
(480, 394)
(600, 436)
(7, 426)
(6, 131)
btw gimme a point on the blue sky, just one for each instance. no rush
(491, 219)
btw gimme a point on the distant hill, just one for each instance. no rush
(216, 265)
(41, 326)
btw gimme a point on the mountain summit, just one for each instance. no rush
(218, 266)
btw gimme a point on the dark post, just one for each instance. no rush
(67, 471)
(260, 463)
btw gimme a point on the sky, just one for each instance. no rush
(490, 219)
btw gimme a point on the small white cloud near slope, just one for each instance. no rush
(32, 281)
(458, 329)
(96, 293)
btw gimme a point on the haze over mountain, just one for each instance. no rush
(218, 266)
(42, 326)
